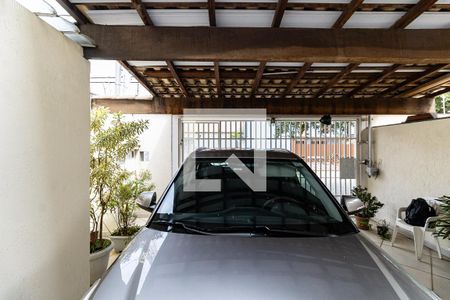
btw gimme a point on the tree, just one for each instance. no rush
(443, 104)
(443, 224)
(123, 204)
(111, 140)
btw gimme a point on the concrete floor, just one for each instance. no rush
(430, 271)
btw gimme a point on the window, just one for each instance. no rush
(294, 200)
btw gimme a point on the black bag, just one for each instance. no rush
(418, 212)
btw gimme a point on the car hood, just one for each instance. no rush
(162, 265)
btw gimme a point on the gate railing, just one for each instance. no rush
(322, 148)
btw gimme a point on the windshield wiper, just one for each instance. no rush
(269, 231)
(174, 224)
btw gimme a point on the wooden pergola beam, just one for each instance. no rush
(432, 84)
(273, 106)
(176, 77)
(438, 93)
(413, 13)
(212, 12)
(286, 44)
(142, 11)
(279, 12)
(347, 13)
(139, 77)
(301, 72)
(257, 80)
(413, 79)
(79, 17)
(375, 80)
(217, 78)
(335, 79)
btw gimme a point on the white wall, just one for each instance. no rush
(44, 160)
(414, 161)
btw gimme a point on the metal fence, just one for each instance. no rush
(322, 148)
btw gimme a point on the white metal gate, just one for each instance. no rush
(322, 148)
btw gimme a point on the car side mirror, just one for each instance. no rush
(351, 204)
(147, 201)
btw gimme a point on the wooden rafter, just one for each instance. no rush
(142, 11)
(264, 5)
(301, 72)
(340, 22)
(413, 13)
(347, 13)
(217, 78)
(212, 12)
(274, 106)
(335, 79)
(375, 80)
(286, 44)
(257, 80)
(74, 12)
(432, 84)
(413, 79)
(177, 78)
(139, 77)
(279, 12)
(438, 93)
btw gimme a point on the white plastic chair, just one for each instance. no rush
(417, 231)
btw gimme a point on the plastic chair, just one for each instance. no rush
(417, 231)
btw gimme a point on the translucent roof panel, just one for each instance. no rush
(100, 1)
(431, 20)
(320, 1)
(115, 17)
(179, 17)
(193, 63)
(373, 19)
(284, 64)
(391, 1)
(37, 6)
(374, 65)
(244, 18)
(60, 24)
(248, 1)
(238, 63)
(309, 19)
(177, 1)
(81, 39)
(140, 63)
(332, 65)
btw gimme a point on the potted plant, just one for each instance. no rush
(111, 140)
(443, 223)
(383, 230)
(371, 206)
(123, 207)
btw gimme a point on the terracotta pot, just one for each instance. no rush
(362, 223)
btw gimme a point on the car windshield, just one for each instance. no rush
(295, 203)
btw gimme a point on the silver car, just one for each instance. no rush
(291, 241)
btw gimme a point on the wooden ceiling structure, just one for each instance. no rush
(292, 57)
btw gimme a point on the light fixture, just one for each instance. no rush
(325, 120)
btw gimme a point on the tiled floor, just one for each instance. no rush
(430, 271)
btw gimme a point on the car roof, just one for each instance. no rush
(244, 153)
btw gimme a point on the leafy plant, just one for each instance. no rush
(443, 224)
(111, 140)
(123, 205)
(371, 203)
(383, 230)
